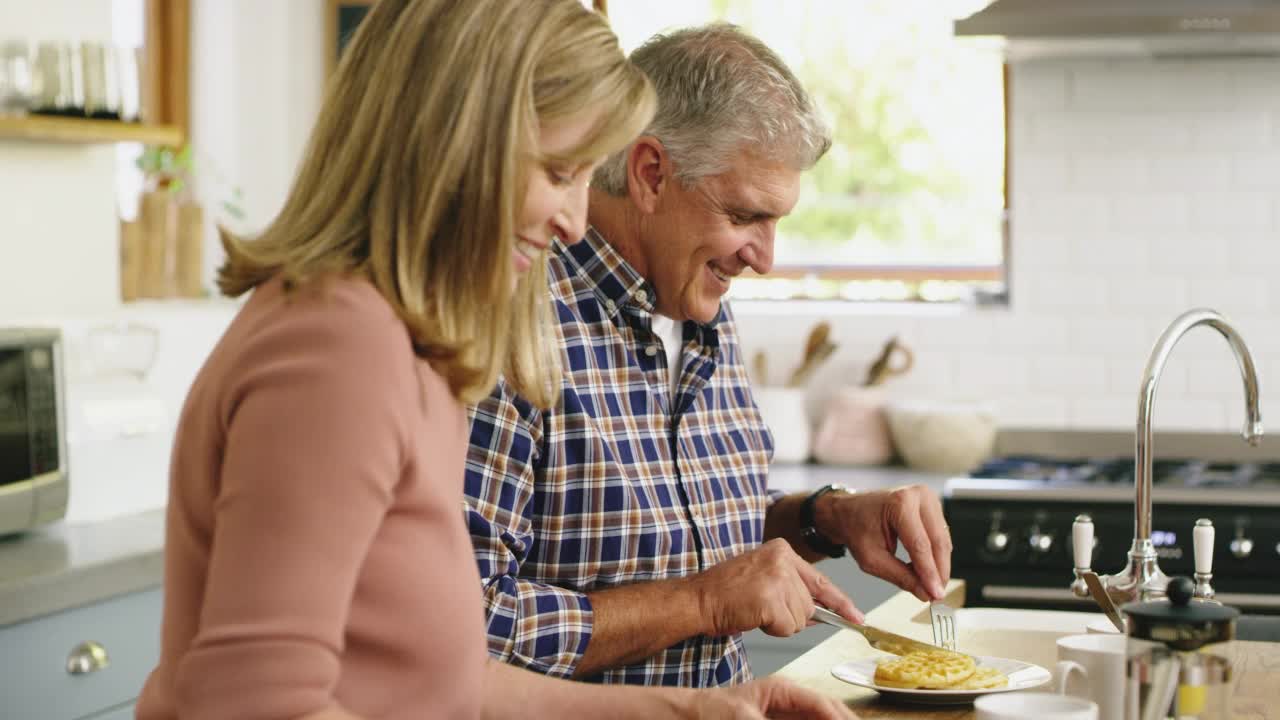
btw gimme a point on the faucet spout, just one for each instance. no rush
(1141, 579)
(1150, 379)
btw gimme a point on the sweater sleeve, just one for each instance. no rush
(315, 429)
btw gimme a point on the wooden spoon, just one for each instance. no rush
(760, 364)
(881, 368)
(818, 338)
(820, 356)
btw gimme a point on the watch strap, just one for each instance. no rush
(808, 529)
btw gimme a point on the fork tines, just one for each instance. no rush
(943, 619)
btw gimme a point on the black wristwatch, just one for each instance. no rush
(809, 531)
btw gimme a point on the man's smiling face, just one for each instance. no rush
(703, 236)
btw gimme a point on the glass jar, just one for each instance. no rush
(16, 89)
(1179, 657)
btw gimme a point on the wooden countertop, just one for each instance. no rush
(1257, 693)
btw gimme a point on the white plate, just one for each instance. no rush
(1021, 676)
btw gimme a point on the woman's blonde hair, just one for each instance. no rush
(417, 168)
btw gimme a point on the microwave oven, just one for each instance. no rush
(33, 447)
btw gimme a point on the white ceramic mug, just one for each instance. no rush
(1102, 626)
(1092, 667)
(1038, 705)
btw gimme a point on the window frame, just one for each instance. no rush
(912, 273)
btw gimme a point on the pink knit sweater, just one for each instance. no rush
(315, 552)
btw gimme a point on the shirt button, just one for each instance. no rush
(610, 306)
(651, 350)
(642, 296)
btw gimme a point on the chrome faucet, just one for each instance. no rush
(1142, 579)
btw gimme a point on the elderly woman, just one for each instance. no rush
(316, 560)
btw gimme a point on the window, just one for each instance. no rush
(909, 204)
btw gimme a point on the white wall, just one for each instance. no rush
(257, 73)
(58, 231)
(1139, 189)
(257, 77)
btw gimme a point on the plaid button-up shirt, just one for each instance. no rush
(621, 483)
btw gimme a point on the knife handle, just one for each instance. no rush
(823, 615)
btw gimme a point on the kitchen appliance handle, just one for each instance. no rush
(87, 657)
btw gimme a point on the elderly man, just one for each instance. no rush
(628, 535)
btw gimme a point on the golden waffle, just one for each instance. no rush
(983, 678)
(893, 648)
(931, 670)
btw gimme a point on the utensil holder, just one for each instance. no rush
(783, 410)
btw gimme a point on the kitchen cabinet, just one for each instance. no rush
(768, 654)
(123, 712)
(36, 683)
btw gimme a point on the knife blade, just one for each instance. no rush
(1100, 596)
(882, 640)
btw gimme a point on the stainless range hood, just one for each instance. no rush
(1157, 28)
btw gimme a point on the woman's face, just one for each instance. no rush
(555, 203)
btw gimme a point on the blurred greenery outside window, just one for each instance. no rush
(909, 204)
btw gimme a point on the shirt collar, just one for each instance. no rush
(614, 281)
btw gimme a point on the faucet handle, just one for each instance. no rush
(1082, 541)
(1202, 542)
(1082, 549)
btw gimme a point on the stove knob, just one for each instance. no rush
(998, 540)
(1278, 548)
(1040, 542)
(1242, 548)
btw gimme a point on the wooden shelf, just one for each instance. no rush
(43, 128)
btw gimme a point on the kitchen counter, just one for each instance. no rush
(1257, 664)
(798, 478)
(64, 566)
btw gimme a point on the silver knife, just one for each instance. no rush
(882, 640)
(1100, 596)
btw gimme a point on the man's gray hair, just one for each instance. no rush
(720, 91)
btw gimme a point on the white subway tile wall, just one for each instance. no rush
(1139, 189)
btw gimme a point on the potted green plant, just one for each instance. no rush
(164, 254)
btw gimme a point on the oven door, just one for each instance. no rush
(1017, 554)
(32, 447)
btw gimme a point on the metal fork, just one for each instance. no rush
(943, 619)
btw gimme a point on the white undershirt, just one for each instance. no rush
(672, 335)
